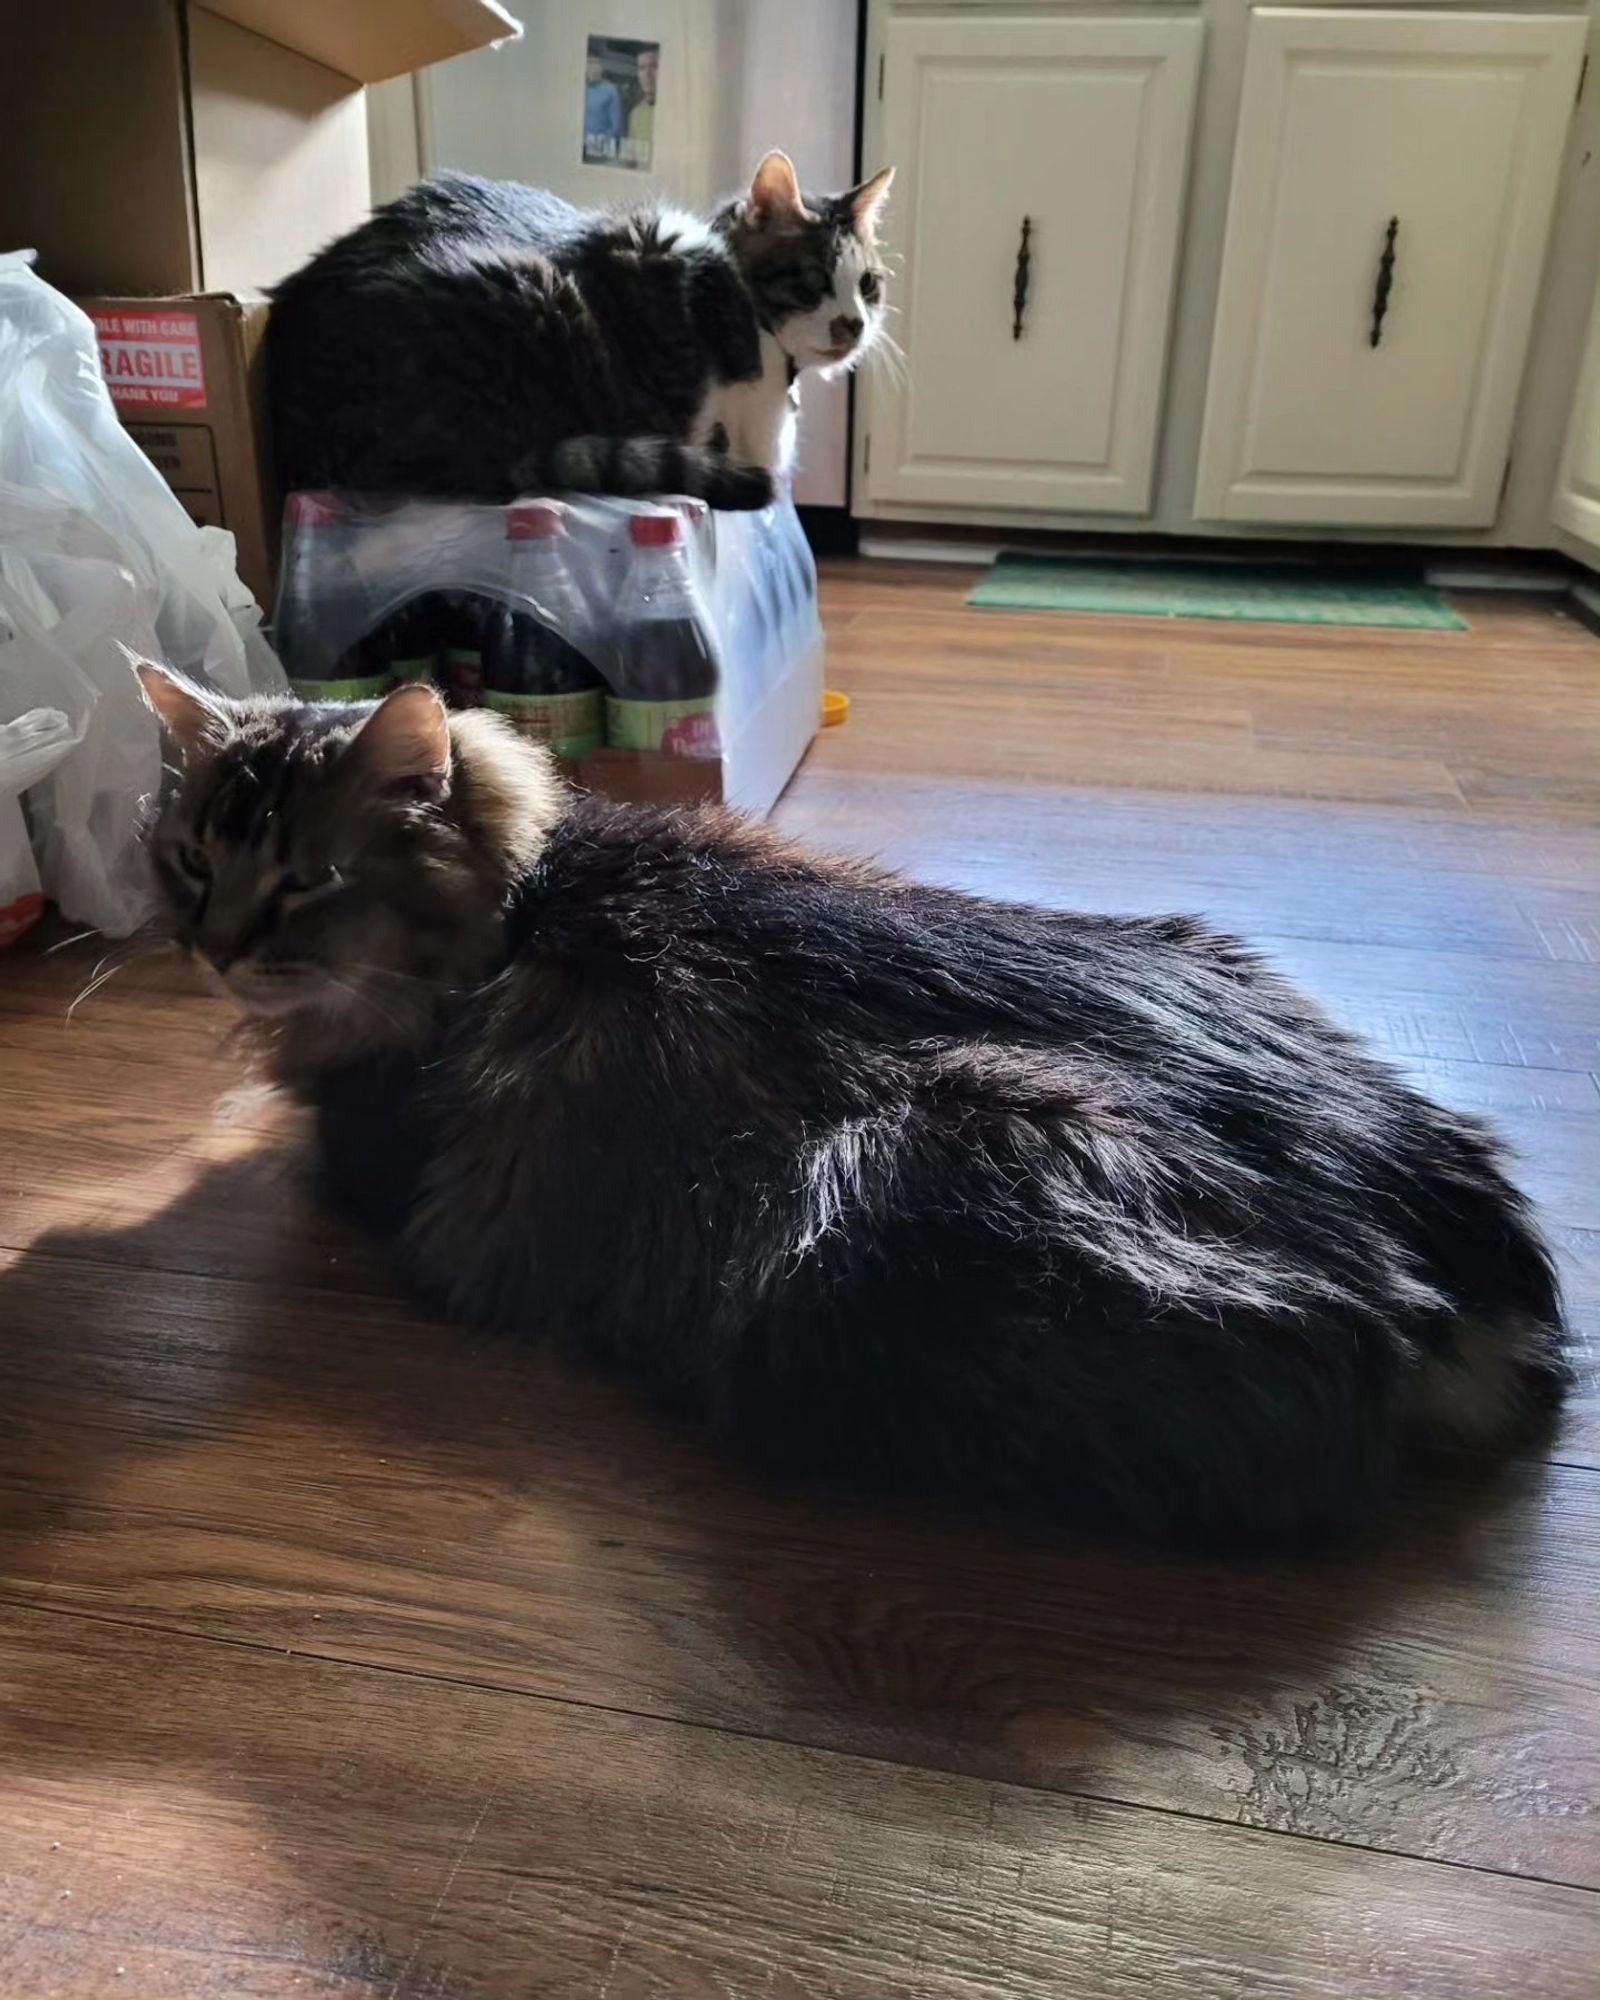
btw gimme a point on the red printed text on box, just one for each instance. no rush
(151, 360)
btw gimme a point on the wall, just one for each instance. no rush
(517, 112)
(797, 90)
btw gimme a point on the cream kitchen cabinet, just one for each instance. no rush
(1577, 501)
(1036, 219)
(1394, 175)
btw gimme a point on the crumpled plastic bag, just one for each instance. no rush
(29, 747)
(95, 549)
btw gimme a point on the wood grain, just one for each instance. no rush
(344, 1654)
(359, 1834)
(305, 1470)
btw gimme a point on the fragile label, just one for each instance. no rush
(151, 360)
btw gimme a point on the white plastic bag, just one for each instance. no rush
(94, 548)
(29, 748)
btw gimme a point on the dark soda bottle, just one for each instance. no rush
(410, 637)
(534, 673)
(319, 571)
(668, 671)
(463, 621)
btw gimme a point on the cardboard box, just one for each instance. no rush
(170, 160)
(182, 373)
(156, 147)
(750, 774)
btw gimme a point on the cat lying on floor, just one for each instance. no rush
(886, 1184)
(483, 339)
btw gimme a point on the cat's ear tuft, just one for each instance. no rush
(867, 201)
(775, 200)
(405, 741)
(191, 719)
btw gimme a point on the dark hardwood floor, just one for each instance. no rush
(341, 1654)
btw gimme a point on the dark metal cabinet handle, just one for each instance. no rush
(1019, 291)
(1380, 295)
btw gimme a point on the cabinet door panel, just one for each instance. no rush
(1577, 502)
(1449, 126)
(1080, 126)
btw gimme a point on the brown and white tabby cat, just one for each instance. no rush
(1085, 1214)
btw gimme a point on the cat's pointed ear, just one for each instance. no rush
(192, 720)
(775, 200)
(406, 741)
(867, 201)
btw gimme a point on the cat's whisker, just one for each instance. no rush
(893, 362)
(65, 944)
(893, 368)
(108, 967)
(364, 997)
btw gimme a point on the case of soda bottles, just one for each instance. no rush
(662, 651)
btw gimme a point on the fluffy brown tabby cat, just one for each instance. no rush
(1083, 1214)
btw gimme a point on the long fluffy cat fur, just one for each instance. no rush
(883, 1183)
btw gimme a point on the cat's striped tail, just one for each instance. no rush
(633, 466)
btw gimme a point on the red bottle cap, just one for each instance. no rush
(533, 521)
(655, 531)
(314, 510)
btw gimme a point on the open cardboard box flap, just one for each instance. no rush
(201, 145)
(372, 40)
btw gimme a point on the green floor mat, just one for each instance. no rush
(1265, 592)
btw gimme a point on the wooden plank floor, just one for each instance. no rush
(343, 1655)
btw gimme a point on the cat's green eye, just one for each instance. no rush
(871, 286)
(192, 862)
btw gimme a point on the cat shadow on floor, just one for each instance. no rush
(224, 1422)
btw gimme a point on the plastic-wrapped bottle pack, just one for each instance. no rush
(662, 651)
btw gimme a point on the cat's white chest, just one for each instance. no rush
(758, 417)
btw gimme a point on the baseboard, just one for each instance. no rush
(1584, 603)
(928, 549)
(1490, 574)
(1525, 572)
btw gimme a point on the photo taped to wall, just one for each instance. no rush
(619, 102)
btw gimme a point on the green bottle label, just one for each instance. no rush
(463, 674)
(569, 724)
(366, 687)
(675, 728)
